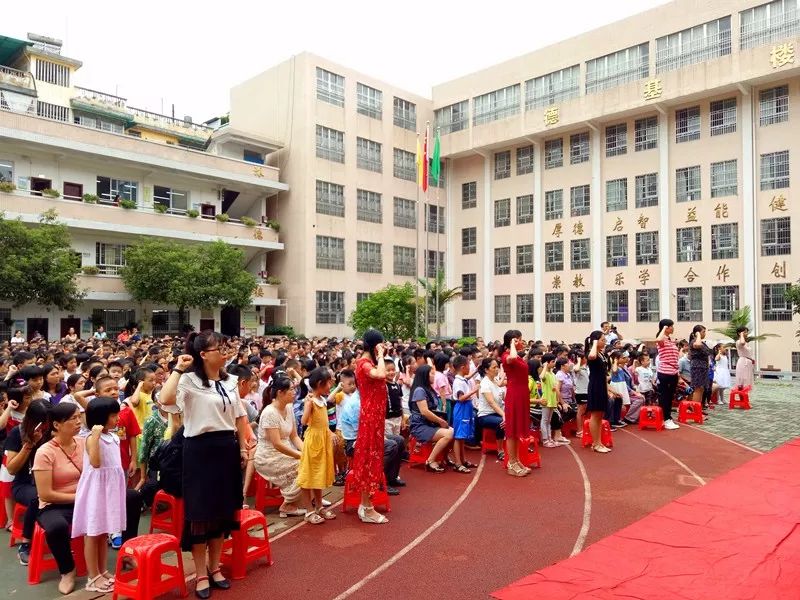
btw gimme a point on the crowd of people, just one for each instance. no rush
(91, 429)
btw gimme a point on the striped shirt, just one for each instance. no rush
(667, 357)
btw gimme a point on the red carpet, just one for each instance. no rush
(736, 538)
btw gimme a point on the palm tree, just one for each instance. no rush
(742, 318)
(437, 295)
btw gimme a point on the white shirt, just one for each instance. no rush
(461, 387)
(205, 409)
(482, 404)
(646, 378)
(17, 340)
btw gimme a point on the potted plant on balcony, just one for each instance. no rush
(90, 198)
(248, 222)
(272, 280)
(128, 204)
(7, 186)
(50, 192)
(160, 208)
(192, 213)
(274, 225)
(222, 217)
(90, 270)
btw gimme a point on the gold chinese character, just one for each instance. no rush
(257, 234)
(557, 282)
(557, 231)
(642, 221)
(653, 89)
(619, 279)
(723, 273)
(721, 210)
(578, 281)
(259, 292)
(782, 54)
(779, 270)
(551, 116)
(690, 275)
(644, 276)
(778, 203)
(577, 228)
(618, 224)
(258, 171)
(691, 214)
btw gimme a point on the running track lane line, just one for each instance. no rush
(419, 539)
(587, 504)
(670, 456)
(722, 437)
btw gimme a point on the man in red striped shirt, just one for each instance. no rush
(667, 370)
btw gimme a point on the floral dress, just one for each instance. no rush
(368, 459)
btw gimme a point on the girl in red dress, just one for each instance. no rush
(517, 401)
(367, 469)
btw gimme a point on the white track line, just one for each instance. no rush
(676, 460)
(298, 525)
(419, 539)
(587, 505)
(722, 437)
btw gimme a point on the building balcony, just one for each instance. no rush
(184, 129)
(17, 81)
(102, 104)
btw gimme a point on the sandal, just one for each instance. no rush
(470, 465)
(375, 517)
(326, 514)
(93, 586)
(313, 518)
(298, 512)
(109, 577)
(461, 469)
(437, 469)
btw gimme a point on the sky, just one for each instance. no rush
(160, 54)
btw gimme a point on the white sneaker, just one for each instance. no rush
(670, 424)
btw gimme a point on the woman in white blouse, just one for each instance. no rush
(490, 402)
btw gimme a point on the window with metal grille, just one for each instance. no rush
(405, 213)
(647, 190)
(774, 306)
(434, 218)
(776, 236)
(369, 207)
(109, 258)
(441, 181)
(773, 105)
(554, 307)
(405, 261)
(687, 124)
(452, 118)
(5, 330)
(795, 362)
(502, 261)
(579, 148)
(687, 184)
(769, 22)
(330, 307)
(525, 308)
(617, 250)
(109, 188)
(552, 88)
(617, 139)
(581, 307)
(98, 123)
(724, 300)
(553, 153)
(647, 248)
(404, 165)
(616, 195)
(55, 112)
(502, 212)
(647, 306)
(689, 244)
(524, 209)
(330, 87)
(645, 134)
(724, 179)
(524, 160)
(369, 101)
(617, 68)
(361, 296)
(434, 264)
(502, 309)
(176, 202)
(697, 44)
(690, 304)
(724, 241)
(330, 198)
(723, 116)
(469, 328)
(469, 286)
(368, 155)
(617, 306)
(496, 105)
(553, 205)
(164, 322)
(775, 170)
(405, 114)
(502, 164)
(469, 240)
(580, 254)
(580, 202)
(330, 144)
(330, 253)
(469, 194)
(554, 256)
(525, 258)
(51, 72)
(368, 257)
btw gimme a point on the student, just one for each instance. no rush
(647, 379)
(580, 374)
(722, 372)
(394, 406)
(551, 421)
(463, 419)
(19, 398)
(54, 386)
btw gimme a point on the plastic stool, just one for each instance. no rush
(242, 547)
(570, 428)
(418, 453)
(16, 524)
(528, 453)
(170, 520)
(352, 497)
(651, 416)
(605, 435)
(740, 398)
(266, 494)
(488, 441)
(42, 560)
(689, 410)
(149, 569)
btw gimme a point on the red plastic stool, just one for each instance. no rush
(689, 410)
(266, 494)
(605, 435)
(418, 453)
(146, 580)
(651, 416)
(570, 428)
(740, 398)
(42, 560)
(242, 547)
(488, 441)
(352, 497)
(169, 520)
(528, 453)
(16, 524)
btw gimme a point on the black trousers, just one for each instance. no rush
(26, 494)
(393, 446)
(667, 384)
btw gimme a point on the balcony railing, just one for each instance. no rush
(769, 29)
(699, 50)
(171, 123)
(95, 96)
(22, 79)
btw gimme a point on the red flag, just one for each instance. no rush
(425, 161)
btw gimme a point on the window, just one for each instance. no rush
(647, 248)
(774, 306)
(581, 307)
(553, 205)
(553, 153)
(452, 118)
(524, 209)
(502, 165)
(369, 101)
(617, 68)
(645, 134)
(441, 181)
(696, 44)
(55, 112)
(617, 139)
(687, 184)
(647, 306)
(405, 213)
(368, 206)
(552, 88)
(580, 204)
(469, 240)
(689, 244)
(647, 190)
(330, 144)
(769, 22)
(617, 250)
(524, 160)
(525, 258)
(434, 264)
(176, 201)
(469, 328)
(775, 170)
(405, 165)
(330, 253)
(109, 188)
(554, 308)
(580, 254)
(434, 218)
(502, 261)
(103, 125)
(5, 330)
(616, 195)
(687, 124)
(330, 87)
(725, 241)
(579, 148)
(361, 296)
(469, 194)
(330, 198)
(502, 212)
(405, 261)
(368, 257)
(109, 258)
(724, 179)
(617, 306)
(330, 307)
(690, 304)
(51, 72)
(469, 286)
(502, 309)
(773, 105)
(499, 104)
(164, 322)
(723, 116)
(776, 236)
(6, 170)
(405, 114)
(795, 362)
(525, 308)
(368, 155)
(724, 300)
(253, 157)
(554, 256)
(72, 191)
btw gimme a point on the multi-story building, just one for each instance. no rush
(87, 155)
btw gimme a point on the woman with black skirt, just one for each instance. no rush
(598, 387)
(214, 449)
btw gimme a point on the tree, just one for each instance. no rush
(390, 311)
(437, 295)
(793, 296)
(742, 318)
(38, 264)
(187, 276)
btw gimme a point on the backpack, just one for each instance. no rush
(168, 461)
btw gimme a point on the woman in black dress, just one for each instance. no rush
(699, 356)
(598, 387)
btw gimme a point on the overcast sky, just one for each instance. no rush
(157, 54)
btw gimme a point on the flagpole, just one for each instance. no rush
(416, 265)
(425, 219)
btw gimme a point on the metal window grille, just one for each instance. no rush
(769, 22)
(775, 170)
(581, 307)
(434, 218)
(725, 241)
(645, 134)
(724, 179)
(552, 88)
(368, 257)
(687, 124)
(330, 253)
(524, 209)
(405, 213)
(617, 250)
(330, 87)
(405, 114)
(554, 256)
(525, 258)
(647, 306)
(773, 105)
(723, 116)
(553, 153)
(109, 258)
(330, 307)
(774, 306)
(502, 212)
(689, 244)
(442, 176)
(164, 322)
(496, 105)
(55, 112)
(617, 306)
(724, 300)
(554, 308)
(452, 118)
(647, 190)
(361, 296)
(580, 201)
(469, 240)
(469, 194)
(687, 184)
(502, 261)
(469, 328)
(469, 286)
(405, 261)
(617, 68)
(524, 160)
(330, 198)
(697, 44)
(690, 304)
(616, 195)
(502, 164)
(553, 205)
(98, 123)
(776, 236)
(617, 139)
(5, 330)
(525, 308)
(405, 165)
(115, 320)
(580, 254)
(368, 155)
(647, 248)
(369, 101)
(369, 206)
(51, 72)
(502, 309)
(579, 148)
(434, 264)
(330, 144)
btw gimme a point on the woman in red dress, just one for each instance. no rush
(517, 403)
(367, 469)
